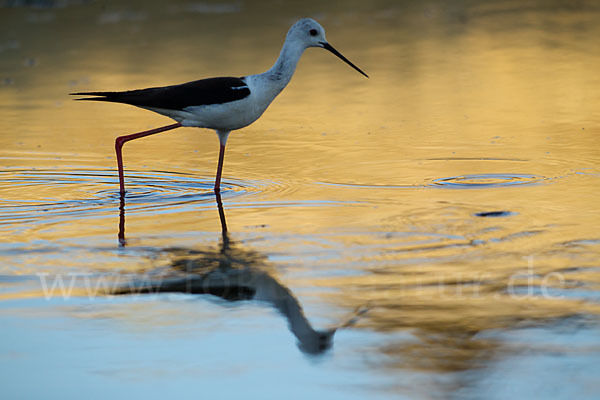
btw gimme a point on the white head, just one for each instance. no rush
(309, 33)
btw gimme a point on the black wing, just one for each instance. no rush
(178, 97)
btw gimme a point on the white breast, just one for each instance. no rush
(229, 116)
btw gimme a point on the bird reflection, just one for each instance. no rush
(232, 273)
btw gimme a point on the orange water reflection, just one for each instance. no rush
(338, 183)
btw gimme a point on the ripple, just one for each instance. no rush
(28, 195)
(474, 181)
(369, 185)
(480, 181)
(477, 159)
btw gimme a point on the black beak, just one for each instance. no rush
(329, 47)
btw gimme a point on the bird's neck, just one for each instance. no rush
(282, 71)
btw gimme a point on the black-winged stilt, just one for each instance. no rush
(222, 104)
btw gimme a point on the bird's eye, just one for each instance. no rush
(313, 32)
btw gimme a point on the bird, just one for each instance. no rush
(223, 104)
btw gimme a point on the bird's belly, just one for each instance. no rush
(226, 116)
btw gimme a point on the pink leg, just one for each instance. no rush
(121, 141)
(219, 169)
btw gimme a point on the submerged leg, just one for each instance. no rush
(223, 141)
(120, 141)
(122, 241)
(222, 217)
(219, 169)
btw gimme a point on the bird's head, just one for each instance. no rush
(310, 33)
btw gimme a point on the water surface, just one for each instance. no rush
(441, 217)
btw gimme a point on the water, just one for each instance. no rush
(441, 217)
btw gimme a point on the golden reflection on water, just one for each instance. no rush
(340, 173)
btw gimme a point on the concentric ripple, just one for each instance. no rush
(31, 194)
(472, 181)
(481, 181)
